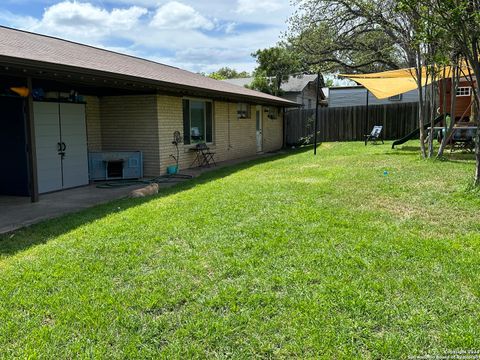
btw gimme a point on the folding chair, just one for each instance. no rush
(375, 135)
(207, 156)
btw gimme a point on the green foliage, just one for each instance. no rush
(277, 63)
(228, 73)
(291, 257)
(346, 35)
(261, 82)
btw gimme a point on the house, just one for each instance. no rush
(346, 96)
(300, 89)
(73, 113)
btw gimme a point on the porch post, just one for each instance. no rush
(315, 127)
(32, 157)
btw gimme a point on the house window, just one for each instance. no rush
(395, 97)
(243, 111)
(197, 121)
(464, 91)
(309, 103)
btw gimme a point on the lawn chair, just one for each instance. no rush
(375, 135)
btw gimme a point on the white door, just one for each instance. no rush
(47, 139)
(74, 145)
(258, 118)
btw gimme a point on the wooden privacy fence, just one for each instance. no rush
(351, 123)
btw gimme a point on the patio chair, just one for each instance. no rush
(204, 156)
(375, 135)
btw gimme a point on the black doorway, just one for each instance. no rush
(13, 147)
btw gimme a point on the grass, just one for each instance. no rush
(296, 256)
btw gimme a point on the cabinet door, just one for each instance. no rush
(74, 138)
(47, 137)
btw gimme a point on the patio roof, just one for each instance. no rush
(44, 52)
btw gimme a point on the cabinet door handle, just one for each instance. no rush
(59, 147)
(64, 146)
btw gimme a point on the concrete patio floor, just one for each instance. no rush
(18, 212)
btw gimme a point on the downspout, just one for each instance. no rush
(229, 145)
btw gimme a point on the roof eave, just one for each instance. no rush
(40, 65)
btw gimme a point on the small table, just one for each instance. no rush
(203, 155)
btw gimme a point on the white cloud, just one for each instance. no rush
(84, 21)
(175, 15)
(252, 6)
(197, 35)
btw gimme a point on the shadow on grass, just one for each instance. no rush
(456, 156)
(22, 239)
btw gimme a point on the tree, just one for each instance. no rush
(363, 36)
(277, 64)
(228, 73)
(462, 18)
(375, 35)
(351, 35)
(261, 82)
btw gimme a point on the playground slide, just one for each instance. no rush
(415, 133)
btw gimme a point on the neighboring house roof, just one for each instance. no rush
(297, 84)
(239, 81)
(294, 83)
(30, 49)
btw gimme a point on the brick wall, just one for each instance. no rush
(272, 132)
(94, 129)
(130, 123)
(233, 137)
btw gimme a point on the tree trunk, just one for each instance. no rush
(421, 104)
(475, 63)
(476, 67)
(453, 103)
(444, 112)
(432, 111)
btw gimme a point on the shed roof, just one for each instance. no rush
(26, 46)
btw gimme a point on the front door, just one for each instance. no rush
(258, 118)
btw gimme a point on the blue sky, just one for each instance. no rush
(195, 35)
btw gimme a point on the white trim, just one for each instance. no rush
(396, 97)
(464, 91)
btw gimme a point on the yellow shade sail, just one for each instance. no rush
(391, 83)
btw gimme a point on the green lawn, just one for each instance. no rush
(293, 256)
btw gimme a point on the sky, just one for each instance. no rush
(200, 36)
